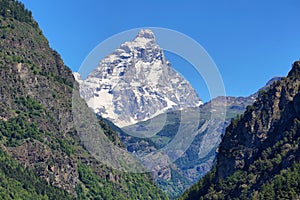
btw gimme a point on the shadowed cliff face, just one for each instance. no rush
(261, 125)
(259, 149)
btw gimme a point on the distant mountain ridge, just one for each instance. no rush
(136, 83)
(199, 157)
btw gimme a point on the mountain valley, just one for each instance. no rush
(135, 128)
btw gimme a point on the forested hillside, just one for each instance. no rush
(41, 153)
(259, 156)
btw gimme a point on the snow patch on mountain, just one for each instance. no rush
(136, 83)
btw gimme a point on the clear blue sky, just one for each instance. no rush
(249, 40)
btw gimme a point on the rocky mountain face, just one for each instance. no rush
(198, 159)
(259, 154)
(136, 83)
(41, 154)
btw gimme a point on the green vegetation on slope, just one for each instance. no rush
(16, 10)
(37, 128)
(259, 156)
(20, 183)
(96, 188)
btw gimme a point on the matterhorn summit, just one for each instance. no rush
(135, 83)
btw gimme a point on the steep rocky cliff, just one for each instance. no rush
(259, 154)
(36, 123)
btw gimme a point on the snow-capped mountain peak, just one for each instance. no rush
(135, 83)
(144, 37)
